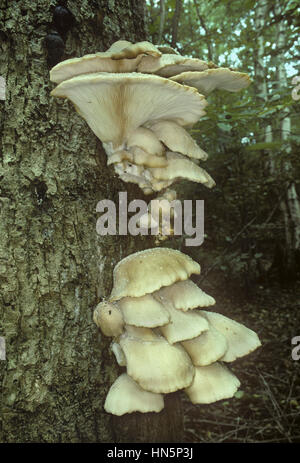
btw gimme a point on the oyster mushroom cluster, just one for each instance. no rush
(138, 99)
(164, 337)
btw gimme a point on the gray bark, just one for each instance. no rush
(53, 267)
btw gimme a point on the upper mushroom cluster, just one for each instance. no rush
(163, 336)
(138, 99)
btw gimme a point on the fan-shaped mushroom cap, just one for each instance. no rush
(108, 317)
(209, 80)
(241, 340)
(182, 325)
(153, 363)
(147, 271)
(145, 138)
(180, 167)
(176, 138)
(185, 295)
(126, 396)
(135, 49)
(168, 65)
(122, 56)
(118, 353)
(144, 311)
(207, 348)
(118, 46)
(212, 383)
(115, 105)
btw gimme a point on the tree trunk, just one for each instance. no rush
(53, 267)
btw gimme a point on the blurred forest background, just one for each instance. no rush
(251, 254)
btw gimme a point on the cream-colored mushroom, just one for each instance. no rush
(133, 50)
(153, 363)
(211, 79)
(181, 168)
(144, 311)
(147, 140)
(115, 105)
(185, 295)
(126, 396)
(122, 56)
(207, 348)
(241, 340)
(177, 139)
(212, 383)
(138, 157)
(168, 65)
(108, 317)
(147, 271)
(182, 325)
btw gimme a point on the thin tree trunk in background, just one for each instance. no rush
(206, 38)
(53, 267)
(175, 22)
(162, 8)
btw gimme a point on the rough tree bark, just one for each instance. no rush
(53, 267)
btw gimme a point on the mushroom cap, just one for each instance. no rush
(241, 340)
(144, 311)
(180, 167)
(153, 363)
(146, 271)
(209, 80)
(168, 65)
(145, 138)
(118, 46)
(182, 325)
(207, 348)
(176, 138)
(133, 50)
(115, 105)
(212, 383)
(185, 295)
(126, 396)
(122, 56)
(108, 318)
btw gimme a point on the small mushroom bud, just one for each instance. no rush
(108, 317)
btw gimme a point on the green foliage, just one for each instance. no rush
(247, 196)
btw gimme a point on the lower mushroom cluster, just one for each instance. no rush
(163, 336)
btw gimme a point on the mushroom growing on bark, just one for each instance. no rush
(144, 142)
(162, 336)
(139, 100)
